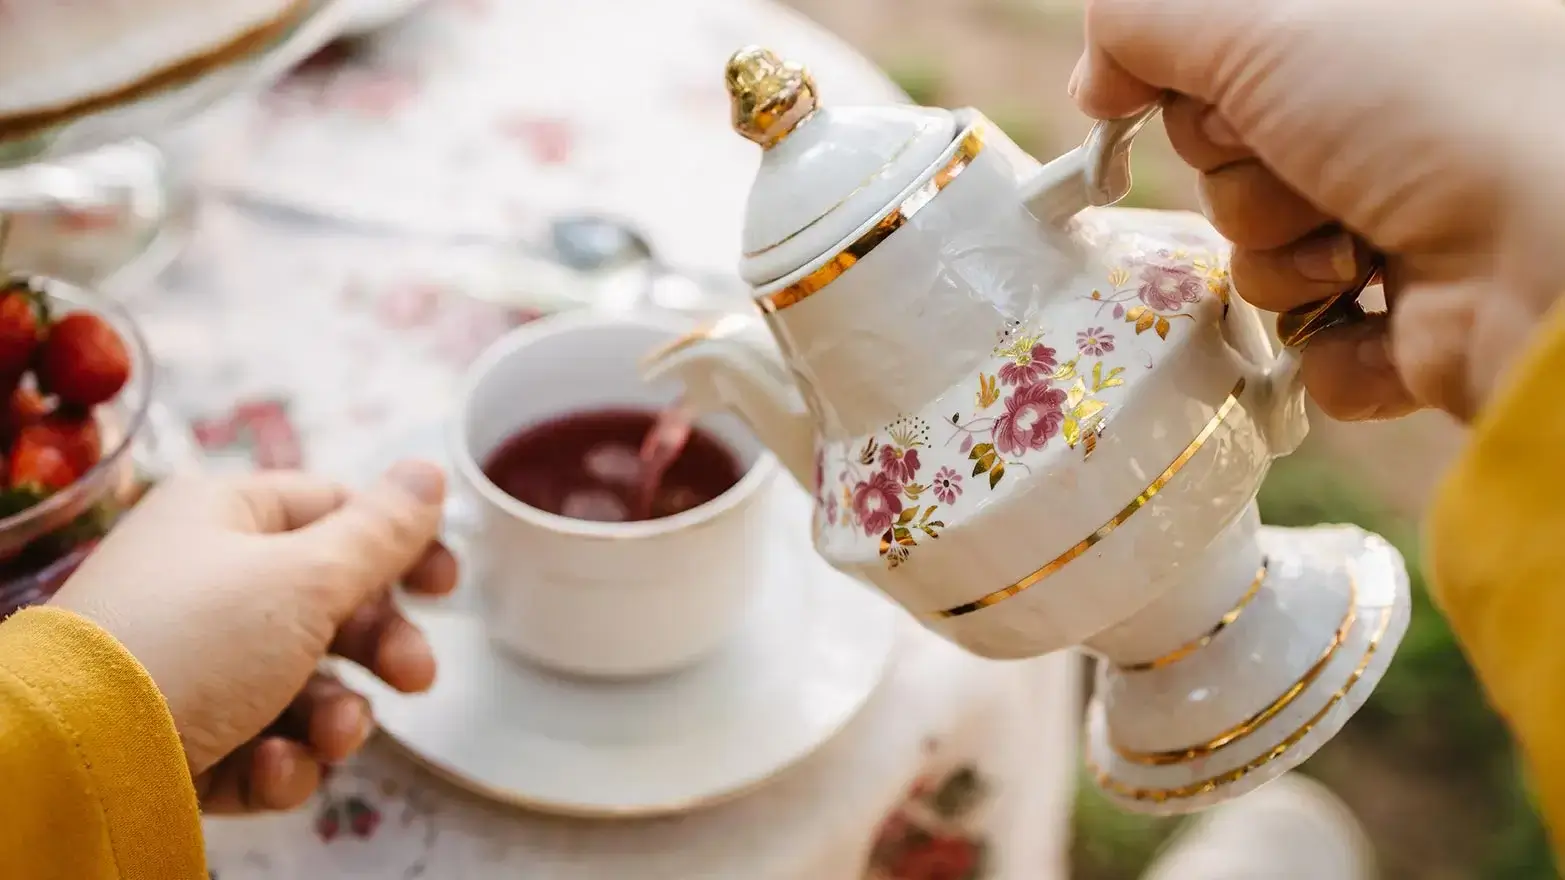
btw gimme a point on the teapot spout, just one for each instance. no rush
(733, 365)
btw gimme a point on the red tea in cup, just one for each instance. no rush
(614, 465)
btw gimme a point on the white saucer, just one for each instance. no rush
(1325, 557)
(808, 656)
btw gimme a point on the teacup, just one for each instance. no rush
(605, 599)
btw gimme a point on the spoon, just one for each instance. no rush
(594, 243)
(585, 260)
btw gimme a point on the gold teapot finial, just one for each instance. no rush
(770, 96)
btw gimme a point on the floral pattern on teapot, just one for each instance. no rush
(1043, 387)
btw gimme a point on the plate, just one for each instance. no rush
(809, 654)
(151, 112)
(367, 16)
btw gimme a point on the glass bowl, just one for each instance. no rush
(41, 545)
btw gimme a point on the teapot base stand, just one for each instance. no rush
(1257, 737)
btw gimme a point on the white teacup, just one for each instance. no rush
(594, 598)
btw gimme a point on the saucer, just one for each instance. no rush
(809, 654)
(1342, 558)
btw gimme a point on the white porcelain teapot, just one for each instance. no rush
(1036, 423)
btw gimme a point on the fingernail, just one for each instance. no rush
(1327, 259)
(1075, 80)
(1373, 353)
(1218, 131)
(422, 480)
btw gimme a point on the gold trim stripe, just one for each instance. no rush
(1254, 722)
(971, 145)
(877, 174)
(1195, 645)
(1207, 786)
(1107, 528)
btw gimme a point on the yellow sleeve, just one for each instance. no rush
(1497, 560)
(93, 780)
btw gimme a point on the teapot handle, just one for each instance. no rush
(1095, 174)
(1107, 155)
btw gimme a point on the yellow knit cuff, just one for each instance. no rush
(101, 697)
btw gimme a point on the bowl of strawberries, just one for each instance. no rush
(76, 377)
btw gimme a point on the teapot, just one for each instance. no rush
(1038, 422)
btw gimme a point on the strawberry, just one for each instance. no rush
(26, 407)
(21, 325)
(39, 464)
(74, 434)
(83, 361)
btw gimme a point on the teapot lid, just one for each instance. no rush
(825, 171)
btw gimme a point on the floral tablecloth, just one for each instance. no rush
(308, 343)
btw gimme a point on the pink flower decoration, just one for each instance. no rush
(947, 485)
(1167, 288)
(1094, 341)
(877, 502)
(900, 464)
(1033, 366)
(1032, 415)
(274, 442)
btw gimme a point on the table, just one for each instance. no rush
(323, 343)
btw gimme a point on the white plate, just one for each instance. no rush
(368, 16)
(1319, 558)
(809, 655)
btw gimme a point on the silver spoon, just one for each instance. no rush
(589, 260)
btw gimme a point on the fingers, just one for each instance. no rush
(377, 535)
(1434, 324)
(1351, 376)
(328, 718)
(1252, 208)
(1320, 265)
(1200, 135)
(1104, 90)
(1245, 201)
(326, 724)
(281, 501)
(434, 574)
(1158, 45)
(269, 774)
(377, 637)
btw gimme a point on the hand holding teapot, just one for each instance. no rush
(1036, 423)
(1341, 118)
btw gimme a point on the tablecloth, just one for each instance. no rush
(320, 344)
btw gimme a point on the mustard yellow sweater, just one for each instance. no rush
(94, 785)
(93, 781)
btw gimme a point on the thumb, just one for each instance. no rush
(1137, 49)
(377, 535)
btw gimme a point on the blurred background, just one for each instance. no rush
(1426, 766)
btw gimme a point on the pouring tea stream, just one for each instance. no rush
(1034, 421)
